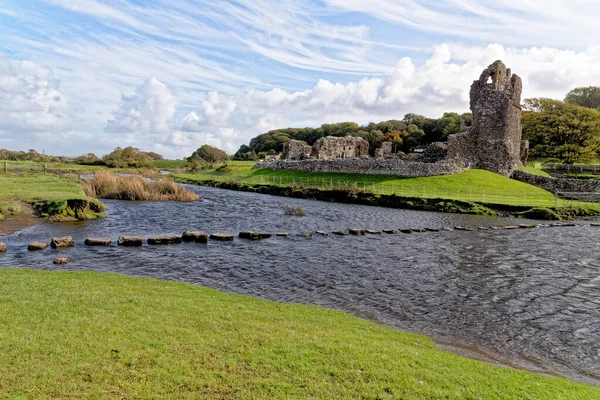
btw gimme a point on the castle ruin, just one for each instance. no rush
(493, 142)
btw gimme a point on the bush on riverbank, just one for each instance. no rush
(70, 209)
(541, 213)
(107, 185)
(95, 335)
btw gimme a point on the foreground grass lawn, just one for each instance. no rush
(93, 335)
(34, 187)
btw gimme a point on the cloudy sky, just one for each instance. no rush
(80, 76)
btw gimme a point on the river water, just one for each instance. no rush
(525, 297)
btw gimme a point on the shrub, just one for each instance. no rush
(107, 185)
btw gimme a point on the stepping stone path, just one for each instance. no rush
(483, 228)
(406, 230)
(222, 237)
(432, 229)
(165, 240)
(282, 234)
(357, 231)
(339, 233)
(420, 230)
(390, 231)
(305, 234)
(254, 235)
(461, 228)
(372, 232)
(98, 242)
(523, 226)
(323, 233)
(36, 246)
(195, 236)
(61, 260)
(129, 241)
(62, 242)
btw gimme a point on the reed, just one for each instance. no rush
(107, 185)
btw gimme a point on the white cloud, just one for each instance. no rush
(30, 100)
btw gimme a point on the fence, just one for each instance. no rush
(575, 169)
(30, 167)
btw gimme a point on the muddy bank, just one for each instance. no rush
(14, 223)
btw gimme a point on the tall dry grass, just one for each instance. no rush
(107, 185)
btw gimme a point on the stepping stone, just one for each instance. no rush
(165, 239)
(339, 233)
(595, 224)
(390, 231)
(420, 230)
(461, 228)
(406, 230)
(282, 234)
(129, 241)
(62, 242)
(250, 235)
(496, 227)
(194, 236)
(373, 232)
(323, 233)
(98, 242)
(357, 231)
(222, 237)
(447, 228)
(483, 228)
(305, 234)
(36, 246)
(570, 224)
(2, 248)
(523, 226)
(510, 227)
(432, 229)
(61, 260)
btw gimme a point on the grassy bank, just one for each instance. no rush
(60, 198)
(93, 335)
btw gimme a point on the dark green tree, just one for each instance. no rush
(588, 97)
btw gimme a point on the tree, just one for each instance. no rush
(209, 154)
(449, 124)
(560, 130)
(588, 97)
(129, 157)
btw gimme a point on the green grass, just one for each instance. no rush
(36, 167)
(94, 335)
(472, 185)
(170, 164)
(53, 195)
(534, 170)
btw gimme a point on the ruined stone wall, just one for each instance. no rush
(295, 150)
(387, 166)
(558, 184)
(494, 140)
(340, 147)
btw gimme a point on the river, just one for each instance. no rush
(525, 297)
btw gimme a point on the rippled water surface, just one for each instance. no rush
(530, 297)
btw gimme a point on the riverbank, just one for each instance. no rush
(58, 198)
(440, 194)
(83, 334)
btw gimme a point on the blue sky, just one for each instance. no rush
(170, 75)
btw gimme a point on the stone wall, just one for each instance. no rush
(558, 184)
(386, 166)
(340, 147)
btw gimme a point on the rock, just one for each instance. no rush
(222, 237)
(390, 231)
(98, 241)
(524, 226)
(432, 229)
(357, 231)
(595, 224)
(406, 230)
(483, 228)
(165, 239)
(305, 234)
(36, 246)
(2, 248)
(195, 236)
(420, 230)
(509, 227)
(250, 235)
(129, 241)
(62, 242)
(61, 260)
(373, 232)
(282, 234)
(339, 233)
(447, 229)
(323, 233)
(462, 228)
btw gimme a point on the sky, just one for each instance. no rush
(80, 76)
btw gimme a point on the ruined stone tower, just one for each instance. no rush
(494, 140)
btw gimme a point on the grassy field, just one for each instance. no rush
(94, 335)
(35, 167)
(50, 194)
(472, 185)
